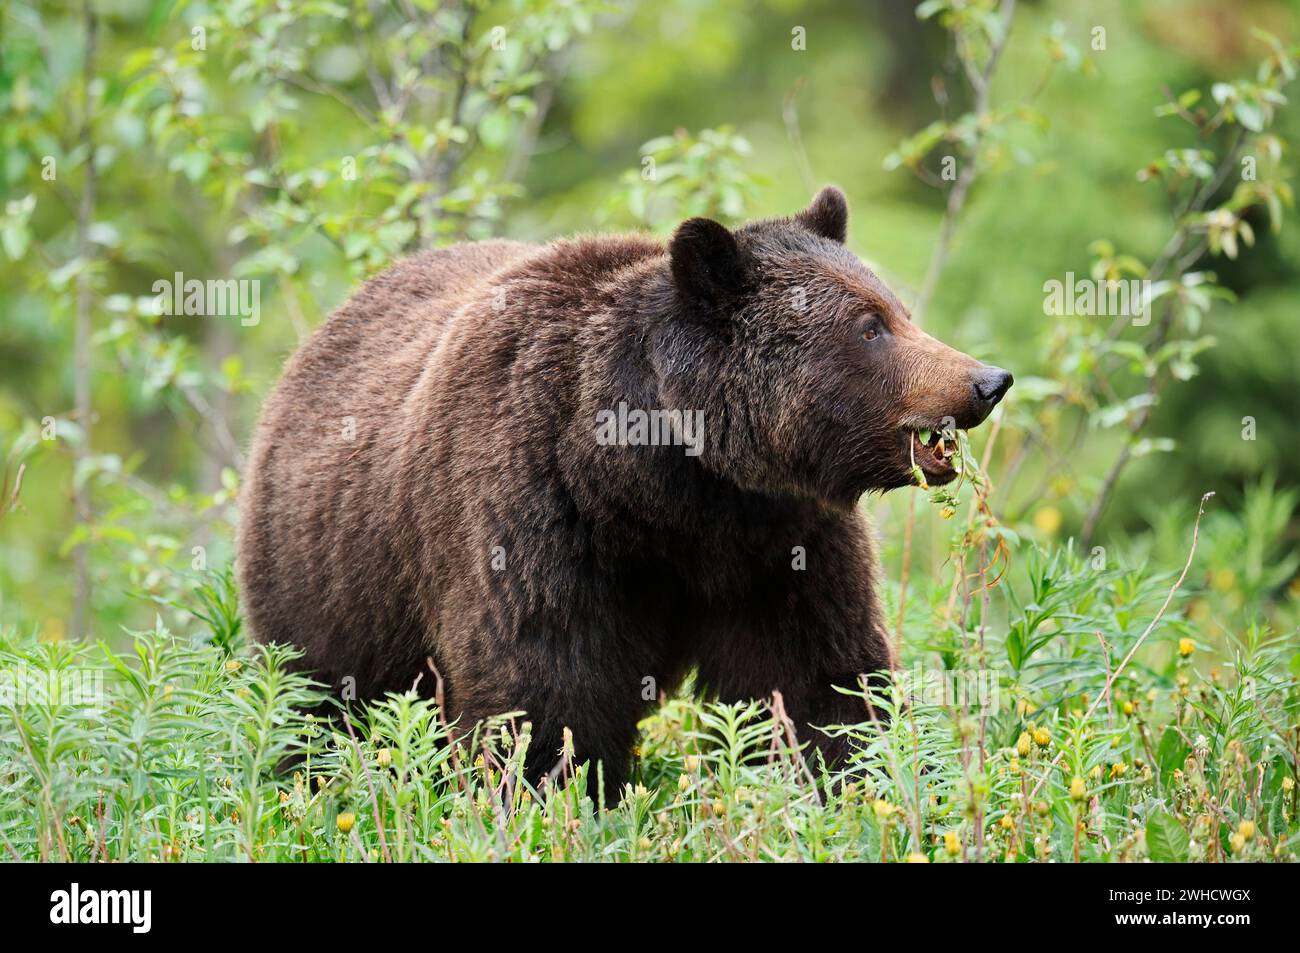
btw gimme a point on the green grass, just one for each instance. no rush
(1190, 757)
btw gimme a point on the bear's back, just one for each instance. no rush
(313, 550)
(393, 319)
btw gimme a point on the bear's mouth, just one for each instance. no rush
(933, 452)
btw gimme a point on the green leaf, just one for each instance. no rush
(1016, 646)
(15, 238)
(1172, 752)
(494, 129)
(929, 8)
(1250, 116)
(1166, 839)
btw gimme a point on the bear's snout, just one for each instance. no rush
(989, 385)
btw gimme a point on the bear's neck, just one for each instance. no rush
(646, 414)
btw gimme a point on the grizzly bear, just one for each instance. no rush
(566, 476)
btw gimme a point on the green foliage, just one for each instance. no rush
(179, 750)
(682, 176)
(1166, 840)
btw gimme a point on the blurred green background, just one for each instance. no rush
(221, 138)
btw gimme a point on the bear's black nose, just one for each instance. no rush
(991, 384)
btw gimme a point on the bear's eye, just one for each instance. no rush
(871, 330)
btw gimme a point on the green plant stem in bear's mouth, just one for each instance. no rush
(933, 447)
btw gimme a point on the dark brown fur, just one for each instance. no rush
(475, 375)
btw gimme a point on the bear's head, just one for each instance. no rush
(811, 375)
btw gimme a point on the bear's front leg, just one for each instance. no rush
(603, 741)
(583, 673)
(808, 624)
(599, 712)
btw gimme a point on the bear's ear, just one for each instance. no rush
(707, 263)
(828, 216)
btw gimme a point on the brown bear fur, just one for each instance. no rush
(468, 514)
